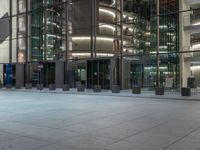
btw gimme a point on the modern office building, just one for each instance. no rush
(98, 42)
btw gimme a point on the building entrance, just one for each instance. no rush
(43, 75)
(98, 73)
(137, 74)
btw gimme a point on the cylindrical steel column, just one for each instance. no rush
(158, 44)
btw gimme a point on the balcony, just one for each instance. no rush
(192, 2)
(192, 24)
(193, 60)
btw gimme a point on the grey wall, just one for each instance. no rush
(20, 74)
(81, 19)
(59, 74)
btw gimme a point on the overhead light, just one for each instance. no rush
(107, 11)
(163, 26)
(88, 54)
(196, 46)
(88, 38)
(113, 3)
(194, 67)
(81, 54)
(107, 26)
(163, 47)
(105, 39)
(81, 38)
(149, 68)
(196, 24)
(130, 18)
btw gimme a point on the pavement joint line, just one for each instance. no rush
(179, 139)
(106, 94)
(142, 131)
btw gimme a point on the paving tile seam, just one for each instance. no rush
(179, 139)
(22, 136)
(19, 136)
(51, 142)
(79, 123)
(137, 133)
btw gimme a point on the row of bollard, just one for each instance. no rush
(97, 89)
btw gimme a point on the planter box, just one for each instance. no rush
(17, 86)
(66, 87)
(115, 89)
(1, 85)
(52, 87)
(8, 86)
(80, 88)
(159, 91)
(185, 92)
(39, 86)
(28, 86)
(136, 90)
(97, 88)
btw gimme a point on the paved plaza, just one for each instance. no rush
(60, 121)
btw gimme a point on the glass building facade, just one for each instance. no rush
(103, 42)
(144, 72)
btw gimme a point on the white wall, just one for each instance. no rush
(14, 31)
(184, 44)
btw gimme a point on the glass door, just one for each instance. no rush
(98, 73)
(137, 74)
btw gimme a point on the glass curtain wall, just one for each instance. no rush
(46, 30)
(47, 39)
(144, 45)
(137, 50)
(37, 30)
(169, 43)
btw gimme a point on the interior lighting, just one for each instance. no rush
(107, 12)
(196, 46)
(130, 18)
(194, 67)
(105, 39)
(107, 26)
(113, 3)
(81, 38)
(81, 54)
(163, 26)
(88, 54)
(196, 24)
(88, 38)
